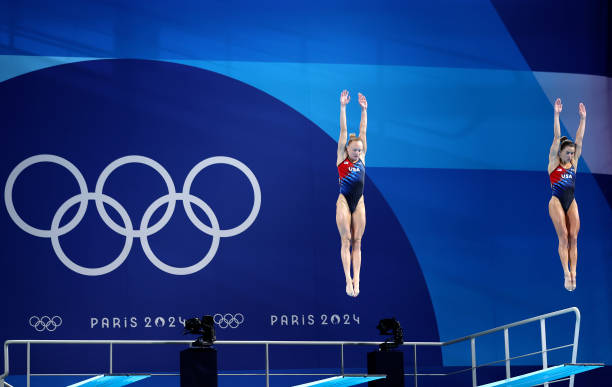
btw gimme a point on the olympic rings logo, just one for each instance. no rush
(45, 323)
(127, 230)
(228, 320)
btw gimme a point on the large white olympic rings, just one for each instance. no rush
(128, 230)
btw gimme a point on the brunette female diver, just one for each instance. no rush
(562, 207)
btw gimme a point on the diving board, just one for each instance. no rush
(544, 376)
(342, 381)
(109, 381)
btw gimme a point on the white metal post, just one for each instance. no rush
(473, 346)
(416, 379)
(507, 351)
(267, 365)
(544, 350)
(575, 347)
(342, 359)
(28, 365)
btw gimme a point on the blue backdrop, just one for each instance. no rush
(458, 237)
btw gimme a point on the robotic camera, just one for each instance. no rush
(204, 327)
(390, 327)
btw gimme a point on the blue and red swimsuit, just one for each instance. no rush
(351, 178)
(563, 182)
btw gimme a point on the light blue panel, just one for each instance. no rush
(592, 90)
(14, 65)
(418, 117)
(422, 117)
(543, 376)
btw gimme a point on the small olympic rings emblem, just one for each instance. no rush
(228, 320)
(45, 323)
(128, 230)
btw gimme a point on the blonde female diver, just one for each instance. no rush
(350, 208)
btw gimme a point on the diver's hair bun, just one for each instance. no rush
(565, 142)
(353, 137)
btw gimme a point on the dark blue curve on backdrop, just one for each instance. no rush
(560, 36)
(94, 112)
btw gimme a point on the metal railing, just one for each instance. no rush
(472, 338)
(507, 358)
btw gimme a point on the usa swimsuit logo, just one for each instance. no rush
(128, 230)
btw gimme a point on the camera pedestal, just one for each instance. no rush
(390, 363)
(199, 367)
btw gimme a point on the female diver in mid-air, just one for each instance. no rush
(562, 207)
(350, 209)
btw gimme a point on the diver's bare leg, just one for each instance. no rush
(343, 221)
(358, 227)
(557, 215)
(573, 226)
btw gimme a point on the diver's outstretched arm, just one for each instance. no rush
(344, 100)
(363, 124)
(580, 132)
(553, 156)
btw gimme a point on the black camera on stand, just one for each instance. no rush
(204, 327)
(199, 362)
(390, 327)
(386, 361)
